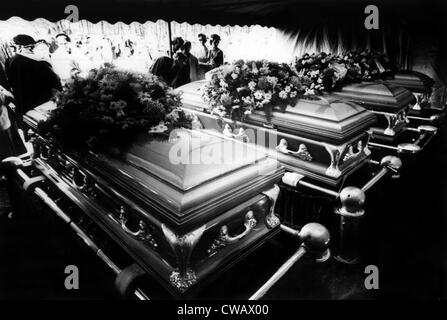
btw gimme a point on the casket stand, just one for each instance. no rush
(391, 105)
(321, 142)
(183, 250)
(422, 111)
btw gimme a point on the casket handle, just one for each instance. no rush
(301, 153)
(241, 135)
(250, 224)
(141, 234)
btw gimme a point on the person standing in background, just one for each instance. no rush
(192, 62)
(203, 51)
(215, 55)
(63, 59)
(202, 56)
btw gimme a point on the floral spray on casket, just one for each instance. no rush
(111, 105)
(238, 89)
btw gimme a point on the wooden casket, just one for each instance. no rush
(181, 218)
(324, 139)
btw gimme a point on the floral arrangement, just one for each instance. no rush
(238, 89)
(364, 65)
(320, 72)
(112, 106)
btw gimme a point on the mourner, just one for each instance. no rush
(216, 58)
(33, 82)
(163, 65)
(215, 55)
(202, 51)
(179, 73)
(192, 62)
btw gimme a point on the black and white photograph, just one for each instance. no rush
(222, 150)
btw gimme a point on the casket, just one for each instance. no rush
(388, 101)
(181, 217)
(324, 139)
(413, 81)
(421, 87)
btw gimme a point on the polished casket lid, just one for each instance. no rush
(377, 96)
(325, 118)
(191, 172)
(412, 80)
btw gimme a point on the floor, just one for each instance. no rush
(403, 235)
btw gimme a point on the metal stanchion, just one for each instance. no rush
(315, 238)
(351, 209)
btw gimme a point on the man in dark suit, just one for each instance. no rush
(33, 81)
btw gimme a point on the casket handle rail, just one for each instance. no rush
(302, 152)
(249, 224)
(240, 135)
(142, 234)
(224, 237)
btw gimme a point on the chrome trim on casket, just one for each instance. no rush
(312, 138)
